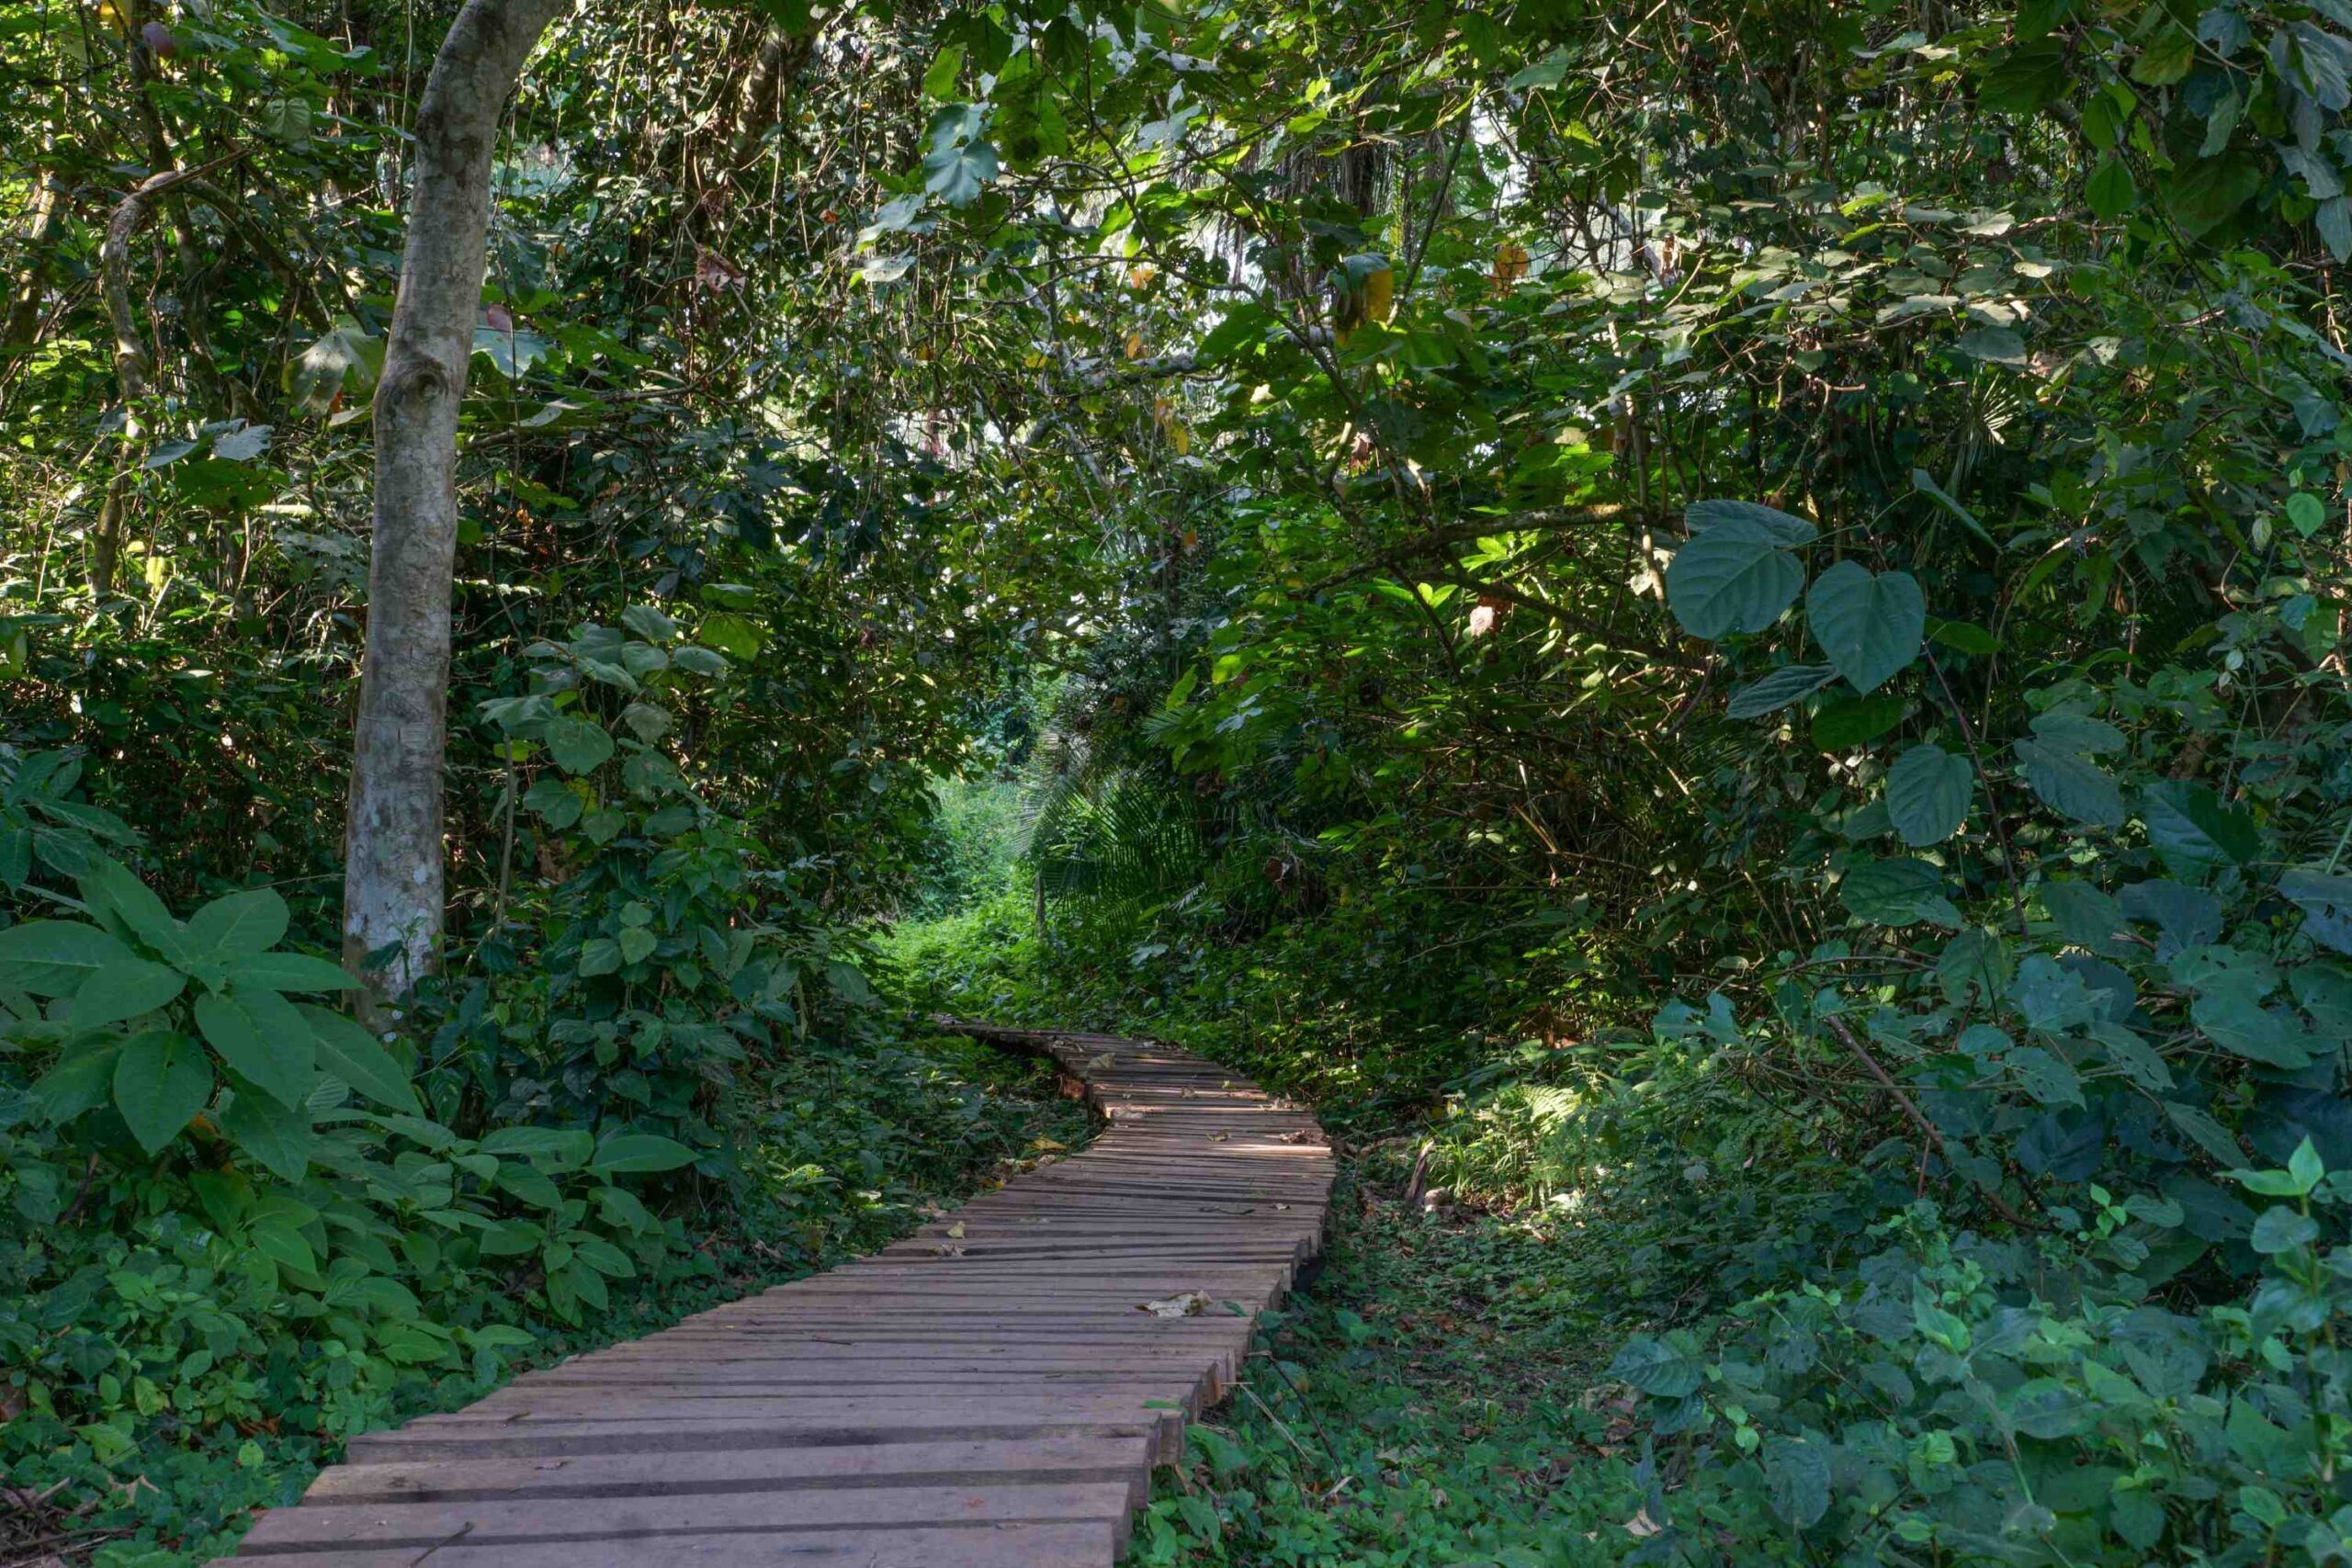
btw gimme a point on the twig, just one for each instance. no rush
(1919, 1119)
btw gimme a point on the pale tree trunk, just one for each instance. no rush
(392, 842)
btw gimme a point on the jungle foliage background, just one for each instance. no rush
(1719, 628)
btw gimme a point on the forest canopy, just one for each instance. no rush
(1720, 629)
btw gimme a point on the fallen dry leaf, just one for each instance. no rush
(1192, 1303)
(1641, 1526)
(957, 1230)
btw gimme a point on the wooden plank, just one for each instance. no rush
(1033, 1462)
(1088, 1543)
(481, 1523)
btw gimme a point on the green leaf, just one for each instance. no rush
(2206, 1133)
(626, 1153)
(1898, 893)
(1784, 529)
(2192, 829)
(279, 1137)
(2165, 58)
(637, 943)
(738, 637)
(554, 800)
(939, 82)
(2087, 917)
(2139, 1061)
(1734, 577)
(1548, 71)
(2072, 785)
(290, 972)
(1796, 1478)
(578, 745)
(2326, 900)
(2110, 191)
(263, 1040)
(1855, 721)
(1871, 625)
(2246, 1028)
(2306, 1166)
(1790, 683)
(1995, 346)
(53, 958)
(2282, 1229)
(346, 1051)
(1927, 792)
(599, 955)
(2203, 193)
(1667, 1368)
(80, 1082)
(160, 1081)
(238, 925)
(124, 990)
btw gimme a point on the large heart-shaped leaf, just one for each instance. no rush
(1927, 792)
(579, 745)
(1732, 577)
(1869, 623)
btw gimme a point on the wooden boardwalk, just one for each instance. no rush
(990, 1392)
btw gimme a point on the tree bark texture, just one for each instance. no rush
(393, 876)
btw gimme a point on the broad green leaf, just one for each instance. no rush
(1796, 1478)
(2268, 1036)
(124, 990)
(650, 624)
(1898, 893)
(1734, 577)
(1769, 693)
(346, 1051)
(939, 82)
(1669, 1368)
(2282, 1229)
(2326, 900)
(54, 958)
(2087, 917)
(2139, 1061)
(238, 925)
(578, 745)
(1871, 625)
(1855, 721)
(2072, 785)
(81, 1082)
(554, 800)
(738, 637)
(599, 955)
(1783, 528)
(263, 1040)
(276, 1134)
(2192, 829)
(1927, 792)
(289, 972)
(160, 1081)
(628, 1153)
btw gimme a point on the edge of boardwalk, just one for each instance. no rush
(990, 1391)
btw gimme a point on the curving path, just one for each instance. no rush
(990, 1392)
